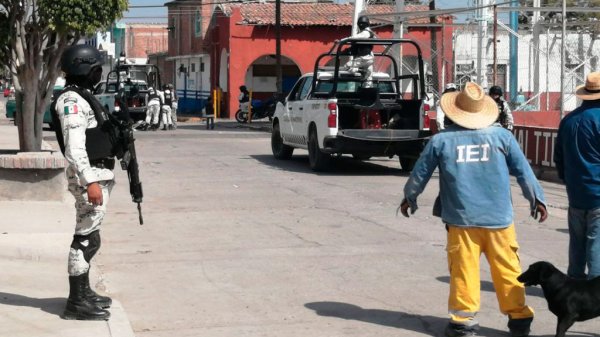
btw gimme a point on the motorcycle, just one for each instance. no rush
(260, 109)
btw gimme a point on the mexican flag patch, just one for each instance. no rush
(71, 109)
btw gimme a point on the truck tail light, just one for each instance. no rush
(116, 103)
(332, 119)
(426, 122)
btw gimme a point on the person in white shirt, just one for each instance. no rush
(440, 117)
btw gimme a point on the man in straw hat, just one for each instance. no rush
(475, 160)
(577, 158)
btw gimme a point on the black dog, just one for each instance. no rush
(569, 299)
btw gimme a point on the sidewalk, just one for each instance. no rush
(34, 241)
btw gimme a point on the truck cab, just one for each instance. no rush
(332, 112)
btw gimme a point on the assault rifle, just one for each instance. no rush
(128, 156)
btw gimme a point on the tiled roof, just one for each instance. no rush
(312, 13)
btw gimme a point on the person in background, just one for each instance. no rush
(174, 106)
(244, 99)
(363, 54)
(505, 117)
(475, 160)
(440, 119)
(577, 158)
(155, 99)
(167, 107)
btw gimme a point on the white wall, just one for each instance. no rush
(579, 48)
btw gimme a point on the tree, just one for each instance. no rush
(37, 32)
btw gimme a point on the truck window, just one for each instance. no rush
(386, 87)
(295, 93)
(305, 88)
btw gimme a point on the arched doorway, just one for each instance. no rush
(261, 76)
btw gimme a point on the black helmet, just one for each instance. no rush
(363, 22)
(243, 88)
(78, 60)
(496, 90)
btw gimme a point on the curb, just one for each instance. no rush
(118, 324)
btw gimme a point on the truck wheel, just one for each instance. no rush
(318, 160)
(241, 117)
(280, 150)
(407, 163)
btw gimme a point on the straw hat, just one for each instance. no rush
(470, 108)
(591, 89)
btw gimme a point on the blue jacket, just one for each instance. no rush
(474, 168)
(577, 155)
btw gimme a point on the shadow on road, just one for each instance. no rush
(339, 166)
(227, 127)
(430, 325)
(54, 306)
(489, 286)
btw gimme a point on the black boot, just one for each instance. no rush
(100, 301)
(78, 306)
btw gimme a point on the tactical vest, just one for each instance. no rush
(168, 97)
(502, 116)
(365, 49)
(101, 141)
(153, 95)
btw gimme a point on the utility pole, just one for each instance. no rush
(482, 18)
(358, 8)
(434, 53)
(562, 59)
(514, 53)
(536, 52)
(399, 32)
(495, 42)
(278, 70)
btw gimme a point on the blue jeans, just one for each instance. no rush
(584, 243)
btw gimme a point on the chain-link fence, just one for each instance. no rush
(480, 52)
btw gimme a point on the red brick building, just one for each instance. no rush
(140, 40)
(234, 44)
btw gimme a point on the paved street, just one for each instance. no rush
(236, 243)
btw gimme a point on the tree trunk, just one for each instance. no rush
(30, 133)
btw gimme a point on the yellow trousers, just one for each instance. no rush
(465, 245)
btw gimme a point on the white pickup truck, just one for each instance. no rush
(134, 80)
(330, 112)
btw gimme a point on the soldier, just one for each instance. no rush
(363, 54)
(88, 147)
(155, 100)
(167, 107)
(174, 105)
(505, 118)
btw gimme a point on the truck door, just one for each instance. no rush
(292, 113)
(305, 112)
